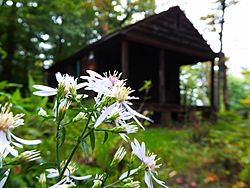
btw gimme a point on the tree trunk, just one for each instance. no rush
(222, 81)
(10, 47)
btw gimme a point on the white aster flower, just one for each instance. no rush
(110, 86)
(101, 84)
(67, 181)
(67, 87)
(8, 122)
(149, 160)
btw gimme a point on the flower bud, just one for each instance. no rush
(129, 183)
(79, 117)
(42, 113)
(62, 90)
(119, 155)
(29, 156)
(63, 107)
(130, 128)
(98, 181)
(72, 91)
(42, 180)
(119, 129)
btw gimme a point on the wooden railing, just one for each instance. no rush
(156, 107)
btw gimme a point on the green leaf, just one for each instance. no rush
(85, 148)
(31, 82)
(92, 140)
(17, 95)
(3, 85)
(106, 136)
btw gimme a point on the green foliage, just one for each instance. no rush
(237, 92)
(216, 17)
(34, 32)
(194, 84)
(3, 54)
(246, 100)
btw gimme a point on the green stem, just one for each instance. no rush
(57, 137)
(81, 137)
(57, 148)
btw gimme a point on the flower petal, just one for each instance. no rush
(128, 173)
(52, 173)
(81, 85)
(124, 137)
(26, 142)
(81, 177)
(136, 113)
(59, 77)
(44, 93)
(6, 175)
(162, 183)
(17, 144)
(104, 115)
(44, 88)
(60, 184)
(12, 151)
(148, 180)
(94, 74)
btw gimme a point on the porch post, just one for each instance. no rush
(124, 59)
(213, 94)
(165, 117)
(212, 101)
(162, 82)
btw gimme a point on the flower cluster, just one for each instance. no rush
(110, 86)
(149, 161)
(112, 106)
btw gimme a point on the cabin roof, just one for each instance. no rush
(170, 30)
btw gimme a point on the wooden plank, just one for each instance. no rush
(159, 36)
(124, 59)
(138, 37)
(162, 84)
(156, 107)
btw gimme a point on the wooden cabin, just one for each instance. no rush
(151, 49)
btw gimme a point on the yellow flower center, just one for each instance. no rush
(121, 93)
(7, 120)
